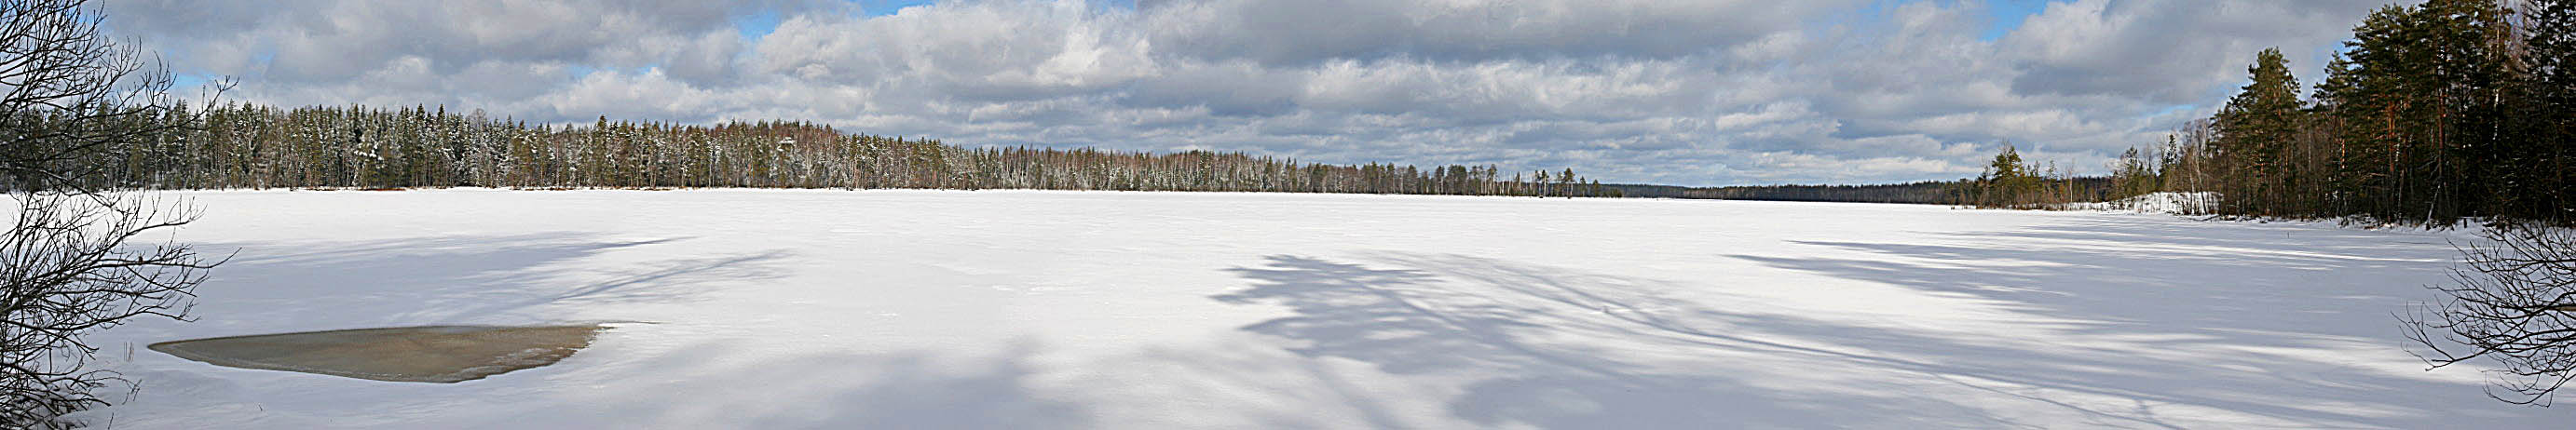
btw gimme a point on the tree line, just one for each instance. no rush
(1925, 192)
(2008, 181)
(252, 146)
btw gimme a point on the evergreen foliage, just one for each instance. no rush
(250, 146)
(2432, 114)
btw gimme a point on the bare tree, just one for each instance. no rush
(78, 256)
(2515, 305)
(72, 264)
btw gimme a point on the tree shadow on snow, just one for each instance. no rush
(2240, 284)
(455, 279)
(896, 390)
(1569, 348)
(1424, 321)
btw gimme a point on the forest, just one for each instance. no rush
(241, 145)
(2431, 114)
(251, 146)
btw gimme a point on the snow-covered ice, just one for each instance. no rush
(1029, 309)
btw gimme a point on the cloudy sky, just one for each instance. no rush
(1685, 92)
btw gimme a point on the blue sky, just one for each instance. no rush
(881, 7)
(1685, 92)
(761, 23)
(2008, 15)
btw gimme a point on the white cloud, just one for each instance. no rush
(2165, 49)
(1696, 92)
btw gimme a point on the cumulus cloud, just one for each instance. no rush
(1302, 32)
(2154, 48)
(1692, 92)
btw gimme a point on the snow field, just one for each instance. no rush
(1035, 309)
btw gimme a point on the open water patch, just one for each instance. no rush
(437, 354)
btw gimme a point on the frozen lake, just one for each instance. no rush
(1028, 309)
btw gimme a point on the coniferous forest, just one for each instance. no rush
(251, 146)
(2432, 114)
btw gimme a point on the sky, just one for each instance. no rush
(1680, 92)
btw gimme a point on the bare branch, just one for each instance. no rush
(2514, 304)
(72, 261)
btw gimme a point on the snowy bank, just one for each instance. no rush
(2163, 202)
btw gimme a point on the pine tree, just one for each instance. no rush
(2254, 127)
(2006, 181)
(2545, 188)
(2132, 175)
(1565, 183)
